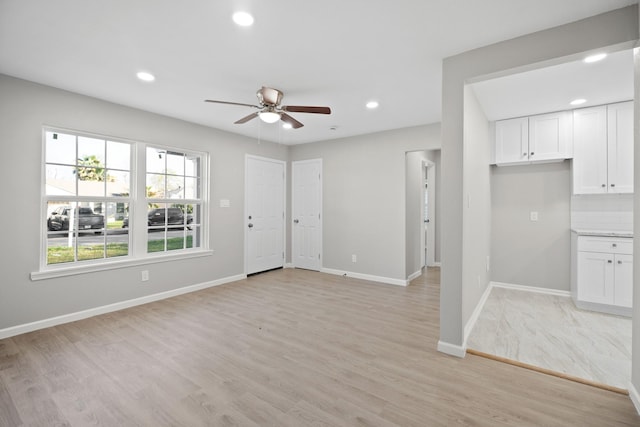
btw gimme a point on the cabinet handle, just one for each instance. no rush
(524, 154)
(615, 245)
(532, 153)
(619, 262)
(613, 185)
(604, 185)
(609, 261)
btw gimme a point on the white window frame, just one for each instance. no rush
(137, 213)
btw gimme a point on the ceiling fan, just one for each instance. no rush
(270, 110)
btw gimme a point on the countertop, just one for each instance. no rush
(603, 233)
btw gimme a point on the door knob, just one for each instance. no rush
(250, 225)
(295, 221)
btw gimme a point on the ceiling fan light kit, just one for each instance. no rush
(269, 116)
(270, 110)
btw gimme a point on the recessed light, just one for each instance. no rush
(578, 101)
(243, 19)
(595, 58)
(287, 126)
(145, 77)
(372, 104)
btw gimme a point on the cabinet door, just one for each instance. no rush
(549, 136)
(512, 141)
(623, 287)
(590, 150)
(620, 147)
(596, 277)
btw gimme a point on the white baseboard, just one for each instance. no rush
(635, 397)
(435, 264)
(289, 265)
(452, 349)
(535, 289)
(413, 276)
(476, 313)
(380, 279)
(79, 315)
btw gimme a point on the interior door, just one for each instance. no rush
(306, 215)
(264, 214)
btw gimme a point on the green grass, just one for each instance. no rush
(62, 254)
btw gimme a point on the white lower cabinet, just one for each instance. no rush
(602, 273)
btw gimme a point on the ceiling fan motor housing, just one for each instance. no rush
(269, 96)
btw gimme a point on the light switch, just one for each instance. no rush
(533, 216)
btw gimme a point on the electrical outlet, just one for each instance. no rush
(533, 216)
(354, 258)
(145, 275)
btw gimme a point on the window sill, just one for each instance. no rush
(112, 265)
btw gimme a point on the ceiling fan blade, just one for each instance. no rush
(246, 118)
(290, 120)
(306, 109)
(231, 103)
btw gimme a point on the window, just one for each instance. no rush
(173, 191)
(87, 192)
(90, 201)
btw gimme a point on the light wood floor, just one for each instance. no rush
(284, 348)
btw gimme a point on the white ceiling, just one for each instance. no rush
(552, 88)
(335, 53)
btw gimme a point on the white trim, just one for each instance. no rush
(452, 349)
(414, 275)
(436, 264)
(635, 397)
(79, 315)
(380, 279)
(431, 225)
(289, 265)
(535, 289)
(102, 266)
(476, 313)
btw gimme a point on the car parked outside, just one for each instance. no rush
(87, 220)
(156, 217)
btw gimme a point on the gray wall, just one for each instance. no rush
(524, 252)
(435, 155)
(24, 108)
(364, 198)
(477, 203)
(560, 44)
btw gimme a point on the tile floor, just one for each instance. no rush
(550, 332)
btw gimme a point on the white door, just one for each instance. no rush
(512, 140)
(306, 215)
(623, 293)
(620, 147)
(549, 136)
(590, 150)
(264, 214)
(596, 272)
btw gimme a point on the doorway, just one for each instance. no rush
(264, 214)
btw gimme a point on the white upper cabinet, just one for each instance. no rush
(512, 141)
(603, 149)
(590, 150)
(540, 138)
(550, 136)
(620, 147)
